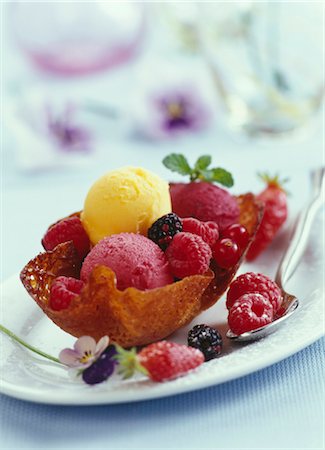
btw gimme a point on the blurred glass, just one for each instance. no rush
(76, 38)
(267, 61)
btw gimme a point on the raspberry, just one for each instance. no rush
(166, 360)
(63, 290)
(208, 231)
(206, 339)
(164, 229)
(249, 312)
(188, 254)
(254, 282)
(69, 229)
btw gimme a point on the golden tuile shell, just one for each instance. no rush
(130, 317)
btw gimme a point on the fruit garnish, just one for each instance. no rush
(161, 361)
(63, 291)
(206, 339)
(226, 253)
(250, 311)
(69, 229)
(274, 198)
(208, 231)
(167, 360)
(237, 233)
(254, 282)
(164, 229)
(176, 162)
(188, 254)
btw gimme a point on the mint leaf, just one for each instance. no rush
(177, 163)
(222, 176)
(203, 162)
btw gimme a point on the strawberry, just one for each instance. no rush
(160, 361)
(166, 360)
(274, 198)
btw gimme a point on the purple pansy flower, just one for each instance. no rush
(173, 112)
(85, 351)
(65, 132)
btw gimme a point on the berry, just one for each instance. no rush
(208, 231)
(164, 229)
(187, 255)
(69, 229)
(249, 312)
(275, 214)
(206, 339)
(102, 368)
(226, 253)
(238, 234)
(254, 282)
(167, 360)
(63, 290)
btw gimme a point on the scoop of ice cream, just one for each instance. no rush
(205, 202)
(129, 199)
(136, 260)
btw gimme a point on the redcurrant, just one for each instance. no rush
(226, 253)
(237, 233)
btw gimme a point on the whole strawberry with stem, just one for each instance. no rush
(274, 198)
(160, 361)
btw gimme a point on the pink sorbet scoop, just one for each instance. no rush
(136, 260)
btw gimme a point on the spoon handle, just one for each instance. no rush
(299, 239)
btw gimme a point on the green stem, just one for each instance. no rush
(30, 347)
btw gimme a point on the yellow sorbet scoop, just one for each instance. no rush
(128, 199)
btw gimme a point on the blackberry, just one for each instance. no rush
(102, 368)
(164, 229)
(206, 339)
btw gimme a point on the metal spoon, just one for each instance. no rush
(290, 260)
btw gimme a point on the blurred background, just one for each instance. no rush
(91, 86)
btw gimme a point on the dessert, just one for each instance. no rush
(136, 261)
(206, 202)
(127, 287)
(129, 200)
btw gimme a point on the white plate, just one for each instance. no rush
(26, 376)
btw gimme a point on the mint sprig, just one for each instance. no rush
(177, 162)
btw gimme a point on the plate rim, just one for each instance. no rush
(33, 394)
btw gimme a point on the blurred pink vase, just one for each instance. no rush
(76, 38)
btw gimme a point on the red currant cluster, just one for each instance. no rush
(229, 248)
